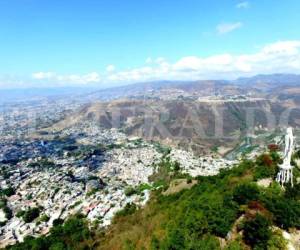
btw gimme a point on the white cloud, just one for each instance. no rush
(92, 77)
(110, 68)
(283, 48)
(243, 5)
(278, 57)
(225, 28)
(195, 63)
(43, 75)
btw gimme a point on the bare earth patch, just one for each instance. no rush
(178, 185)
(264, 182)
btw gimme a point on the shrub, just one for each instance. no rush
(130, 191)
(130, 208)
(292, 192)
(189, 180)
(207, 242)
(277, 242)
(244, 193)
(57, 246)
(234, 245)
(257, 232)
(44, 218)
(275, 157)
(155, 244)
(175, 240)
(3, 202)
(286, 212)
(20, 213)
(220, 219)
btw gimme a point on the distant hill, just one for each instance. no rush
(38, 94)
(256, 85)
(274, 80)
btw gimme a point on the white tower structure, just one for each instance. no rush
(285, 174)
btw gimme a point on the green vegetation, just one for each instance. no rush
(4, 171)
(137, 190)
(44, 218)
(130, 191)
(6, 210)
(257, 232)
(277, 242)
(7, 191)
(92, 192)
(129, 209)
(194, 218)
(245, 193)
(161, 148)
(286, 212)
(235, 245)
(267, 165)
(20, 213)
(77, 203)
(73, 234)
(42, 164)
(166, 171)
(85, 151)
(189, 180)
(31, 214)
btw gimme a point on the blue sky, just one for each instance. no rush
(60, 42)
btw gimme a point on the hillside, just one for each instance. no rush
(198, 124)
(227, 211)
(220, 212)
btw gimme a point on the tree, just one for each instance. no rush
(8, 191)
(31, 214)
(57, 222)
(176, 166)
